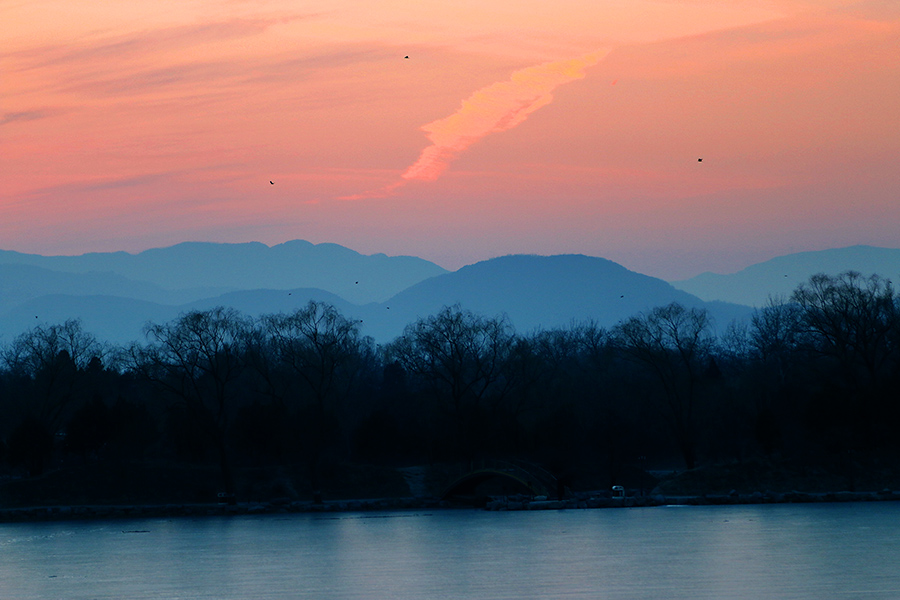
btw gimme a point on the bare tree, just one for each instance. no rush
(850, 336)
(316, 347)
(674, 344)
(774, 333)
(460, 358)
(771, 357)
(197, 359)
(852, 322)
(50, 357)
(310, 361)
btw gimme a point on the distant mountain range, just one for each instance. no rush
(195, 270)
(779, 276)
(116, 294)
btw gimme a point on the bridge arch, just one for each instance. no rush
(519, 477)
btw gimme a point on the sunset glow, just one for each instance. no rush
(512, 127)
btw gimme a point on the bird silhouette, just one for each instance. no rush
(699, 160)
(272, 182)
(405, 57)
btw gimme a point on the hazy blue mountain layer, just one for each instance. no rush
(229, 267)
(20, 283)
(780, 276)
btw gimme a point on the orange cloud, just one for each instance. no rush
(495, 108)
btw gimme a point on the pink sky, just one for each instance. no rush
(513, 127)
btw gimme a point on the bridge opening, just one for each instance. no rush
(498, 478)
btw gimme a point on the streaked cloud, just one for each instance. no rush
(25, 115)
(137, 44)
(493, 109)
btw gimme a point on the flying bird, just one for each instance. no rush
(699, 160)
(405, 57)
(272, 182)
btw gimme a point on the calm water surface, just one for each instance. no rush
(821, 551)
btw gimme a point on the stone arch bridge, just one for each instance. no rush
(523, 477)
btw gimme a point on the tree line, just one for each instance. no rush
(813, 376)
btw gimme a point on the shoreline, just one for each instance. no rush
(580, 501)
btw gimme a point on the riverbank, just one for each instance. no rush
(122, 490)
(585, 501)
(579, 501)
(66, 513)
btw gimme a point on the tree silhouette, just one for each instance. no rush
(197, 358)
(849, 328)
(310, 360)
(852, 322)
(674, 344)
(460, 357)
(50, 359)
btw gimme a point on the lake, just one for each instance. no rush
(806, 551)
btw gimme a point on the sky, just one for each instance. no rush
(454, 131)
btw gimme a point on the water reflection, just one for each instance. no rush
(747, 552)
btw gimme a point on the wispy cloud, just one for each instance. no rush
(142, 43)
(26, 115)
(77, 188)
(493, 109)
